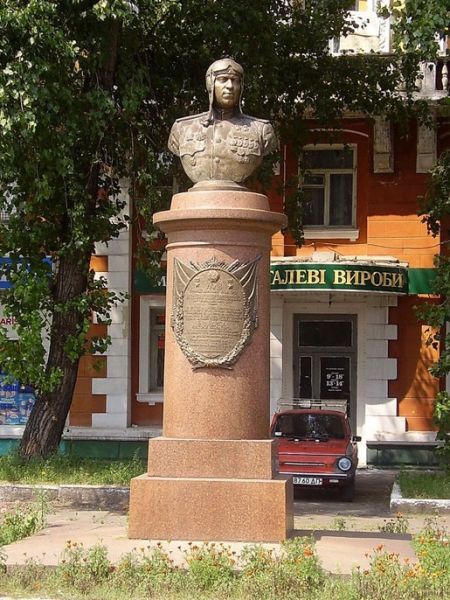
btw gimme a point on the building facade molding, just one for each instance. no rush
(383, 151)
(426, 147)
(117, 383)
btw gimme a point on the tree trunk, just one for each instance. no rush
(45, 425)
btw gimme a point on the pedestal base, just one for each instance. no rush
(244, 510)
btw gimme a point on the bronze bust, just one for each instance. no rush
(221, 148)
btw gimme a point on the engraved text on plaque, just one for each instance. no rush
(215, 310)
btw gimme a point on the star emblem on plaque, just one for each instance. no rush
(215, 307)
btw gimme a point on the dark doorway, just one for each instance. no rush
(325, 359)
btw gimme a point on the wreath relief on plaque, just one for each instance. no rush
(215, 309)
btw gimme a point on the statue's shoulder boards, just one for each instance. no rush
(191, 117)
(256, 119)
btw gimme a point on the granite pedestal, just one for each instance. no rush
(212, 475)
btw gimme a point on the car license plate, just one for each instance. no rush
(307, 480)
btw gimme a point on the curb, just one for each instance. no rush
(96, 497)
(416, 505)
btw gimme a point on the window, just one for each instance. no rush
(310, 426)
(329, 185)
(325, 333)
(157, 344)
(151, 348)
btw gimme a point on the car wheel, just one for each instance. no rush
(348, 492)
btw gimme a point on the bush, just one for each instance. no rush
(211, 567)
(433, 549)
(295, 571)
(387, 577)
(82, 569)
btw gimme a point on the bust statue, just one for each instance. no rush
(221, 148)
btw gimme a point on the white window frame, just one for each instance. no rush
(146, 394)
(327, 231)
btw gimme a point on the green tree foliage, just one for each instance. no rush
(88, 92)
(63, 147)
(421, 26)
(436, 211)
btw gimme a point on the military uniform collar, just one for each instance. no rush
(223, 114)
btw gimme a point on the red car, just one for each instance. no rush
(317, 448)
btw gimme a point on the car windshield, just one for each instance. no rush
(306, 426)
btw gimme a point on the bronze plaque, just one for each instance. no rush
(215, 310)
(213, 313)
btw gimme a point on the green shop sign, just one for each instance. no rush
(354, 278)
(344, 277)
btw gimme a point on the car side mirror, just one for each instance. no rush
(356, 438)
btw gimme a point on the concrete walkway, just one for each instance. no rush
(339, 552)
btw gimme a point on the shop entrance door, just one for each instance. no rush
(325, 359)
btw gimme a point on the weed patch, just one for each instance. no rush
(399, 524)
(146, 572)
(23, 522)
(32, 577)
(433, 549)
(210, 567)
(296, 571)
(82, 569)
(338, 524)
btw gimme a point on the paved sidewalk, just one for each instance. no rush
(339, 552)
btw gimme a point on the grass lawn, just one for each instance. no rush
(70, 469)
(425, 485)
